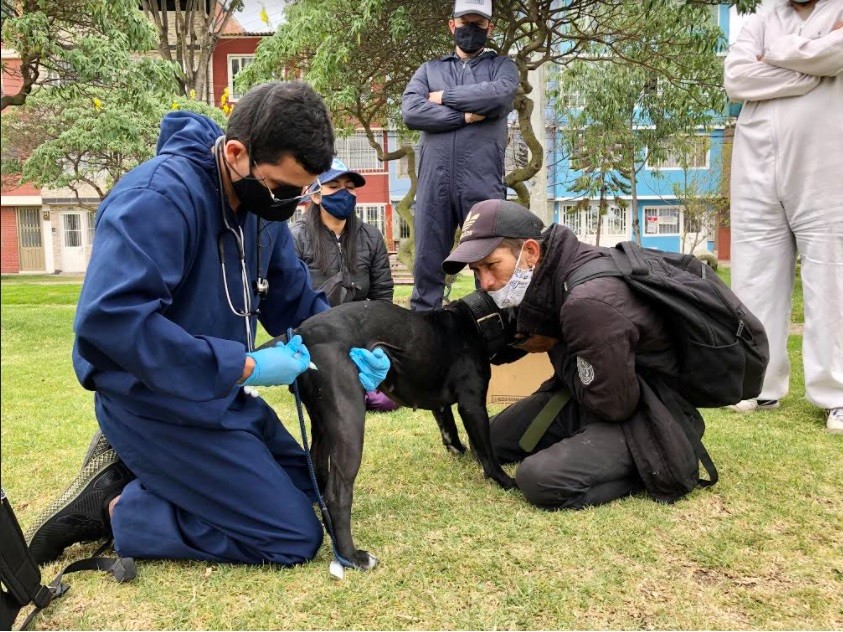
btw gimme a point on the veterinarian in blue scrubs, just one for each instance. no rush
(191, 250)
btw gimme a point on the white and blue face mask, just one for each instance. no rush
(511, 294)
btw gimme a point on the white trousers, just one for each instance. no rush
(769, 231)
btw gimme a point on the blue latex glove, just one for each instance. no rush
(373, 366)
(280, 364)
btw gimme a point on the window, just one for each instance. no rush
(614, 221)
(374, 214)
(356, 152)
(299, 213)
(401, 227)
(571, 217)
(714, 13)
(692, 224)
(92, 216)
(29, 220)
(236, 63)
(694, 156)
(572, 100)
(403, 167)
(517, 153)
(73, 230)
(661, 220)
(584, 222)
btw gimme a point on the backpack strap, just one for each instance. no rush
(121, 568)
(594, 269)
(668, 397)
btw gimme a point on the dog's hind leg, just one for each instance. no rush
(448, 428)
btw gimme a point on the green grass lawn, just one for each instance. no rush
(761, 549)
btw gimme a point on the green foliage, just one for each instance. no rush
(76, 45)
(89, 141)
(640, 95)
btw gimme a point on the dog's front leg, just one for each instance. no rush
(475, 418)
(448, 428)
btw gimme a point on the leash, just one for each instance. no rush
(339, 563)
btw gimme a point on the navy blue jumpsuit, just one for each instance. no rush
(218, 476)
(460, 163)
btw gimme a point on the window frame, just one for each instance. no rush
(704, 138)
(232, 96)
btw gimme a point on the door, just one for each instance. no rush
(74, 241)
(30, 243)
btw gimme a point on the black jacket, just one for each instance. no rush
(373, 279)
(616, 356)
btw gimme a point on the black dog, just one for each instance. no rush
(438, 358)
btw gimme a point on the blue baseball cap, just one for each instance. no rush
(338, 169)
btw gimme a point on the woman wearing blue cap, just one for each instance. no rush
(347, 257)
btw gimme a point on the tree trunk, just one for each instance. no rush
(406, 249)
(633, 187)
(524, 108)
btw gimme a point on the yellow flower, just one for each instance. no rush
(97, 104)
(224, 98)
(193, 95)
(175, 106)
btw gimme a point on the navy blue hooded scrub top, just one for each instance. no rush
(218, 476)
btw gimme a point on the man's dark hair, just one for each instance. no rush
(284, 118)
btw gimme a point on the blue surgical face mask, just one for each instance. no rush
(340, 204)
(511, 294)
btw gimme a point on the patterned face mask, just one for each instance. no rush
(511, 294)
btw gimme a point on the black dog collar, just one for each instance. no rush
(494, 324)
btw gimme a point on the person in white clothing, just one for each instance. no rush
(787, 189)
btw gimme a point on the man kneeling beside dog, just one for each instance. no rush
(578, 439)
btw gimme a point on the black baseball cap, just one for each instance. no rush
(487, 224)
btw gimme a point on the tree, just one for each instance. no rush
(77, 46)
(87, 142)
(700, 198)
(648, 108)
(596, 164)
(188, 32)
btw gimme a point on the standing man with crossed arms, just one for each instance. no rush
(460, 103)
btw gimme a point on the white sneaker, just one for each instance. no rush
(751, 405)
(834, 423)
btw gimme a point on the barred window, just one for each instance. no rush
(374, 214)
(571, 217)
(356, 152)
(696, 157)
(661, 220)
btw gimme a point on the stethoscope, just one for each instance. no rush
(261, 284)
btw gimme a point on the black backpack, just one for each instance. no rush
(721, 346)
(20, 577)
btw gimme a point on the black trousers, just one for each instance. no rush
(574, 465)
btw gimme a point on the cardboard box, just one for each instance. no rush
(512, 382)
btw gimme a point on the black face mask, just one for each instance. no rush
(255, 198)
(470, 38)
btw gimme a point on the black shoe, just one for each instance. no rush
(99, 444)
(80, 514)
